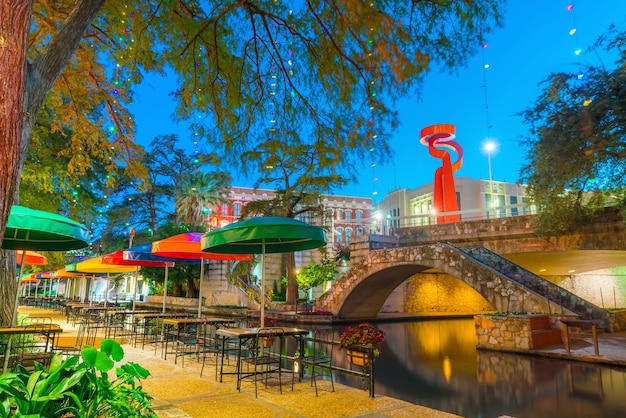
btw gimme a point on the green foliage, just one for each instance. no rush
(77, 388)
(576, 152)
(315, 274)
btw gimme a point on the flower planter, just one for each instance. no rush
(358, 358)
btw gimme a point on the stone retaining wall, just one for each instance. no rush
(508, 332)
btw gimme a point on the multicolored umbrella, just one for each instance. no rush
(97, 266)
(261, 235)
(188, 246)
(135, 257)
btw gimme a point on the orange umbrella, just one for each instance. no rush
(31, 258)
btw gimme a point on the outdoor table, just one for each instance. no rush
(583, 325)
(182, 324)
(243, 335)
(118, 318)
(142, 325)
(48, 331)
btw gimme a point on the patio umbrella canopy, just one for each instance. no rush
(31, 258)
(139, 255)
(36, 230)
(97, 266)
(188, 246)
(274, 234)
(261, 235)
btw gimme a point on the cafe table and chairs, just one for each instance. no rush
(119, 322)
(147, 327)
(190, 335)
(29, 343)
(262, 350)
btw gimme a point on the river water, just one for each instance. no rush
(435, 363)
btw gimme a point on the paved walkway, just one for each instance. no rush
(181, 392)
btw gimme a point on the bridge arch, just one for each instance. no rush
(363, 290)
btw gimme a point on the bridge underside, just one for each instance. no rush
(563, 263)
(368, 297)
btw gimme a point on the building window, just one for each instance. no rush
(224, 208)
(514, 211)
(339, 214)
(237, 210)
(348, 234)
(359, 214)
(348, 214)
(339, 235)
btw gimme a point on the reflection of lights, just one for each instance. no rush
(542, 270)
(571, 271)
(447, 369)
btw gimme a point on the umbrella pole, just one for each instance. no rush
(200, 288)
(90, 291)
(165, 286)
(14, 317)
(135, 287)
(262, 323)
(106, 294)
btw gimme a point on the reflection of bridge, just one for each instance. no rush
(508, 287)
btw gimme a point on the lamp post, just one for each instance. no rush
(490, 147)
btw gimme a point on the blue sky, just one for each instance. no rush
(534, 42)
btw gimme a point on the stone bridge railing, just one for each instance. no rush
(553, 293)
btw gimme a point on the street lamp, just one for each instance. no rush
(490, 147)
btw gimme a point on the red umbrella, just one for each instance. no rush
(118, 258)
(188, 246)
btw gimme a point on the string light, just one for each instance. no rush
(484, 86)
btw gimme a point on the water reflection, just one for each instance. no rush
(436, 364)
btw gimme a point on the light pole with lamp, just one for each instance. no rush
(490, 147)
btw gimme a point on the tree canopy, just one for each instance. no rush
(576, 144)
(246, 71)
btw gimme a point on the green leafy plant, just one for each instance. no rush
(362, 335)
(72, 387)
(315, 274)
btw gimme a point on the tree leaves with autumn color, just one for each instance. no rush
(332, 69)
(577, 142)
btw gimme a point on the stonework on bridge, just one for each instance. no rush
(362, 291)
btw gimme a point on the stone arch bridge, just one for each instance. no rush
(362, 291)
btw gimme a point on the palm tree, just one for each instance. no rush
(199, 192)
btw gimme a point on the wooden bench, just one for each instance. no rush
(541, 332)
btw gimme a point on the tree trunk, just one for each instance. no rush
(292, 285)
(14, 26)
(8, 286)
(191, 288)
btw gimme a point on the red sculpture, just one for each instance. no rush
(439, 139)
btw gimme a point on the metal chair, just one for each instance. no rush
(321, 357)
(264, 357)
(86, 336)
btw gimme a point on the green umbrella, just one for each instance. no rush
(261, 235)
(36, 230)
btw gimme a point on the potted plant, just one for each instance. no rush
(358, 340)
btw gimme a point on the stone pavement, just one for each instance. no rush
(181, 392)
